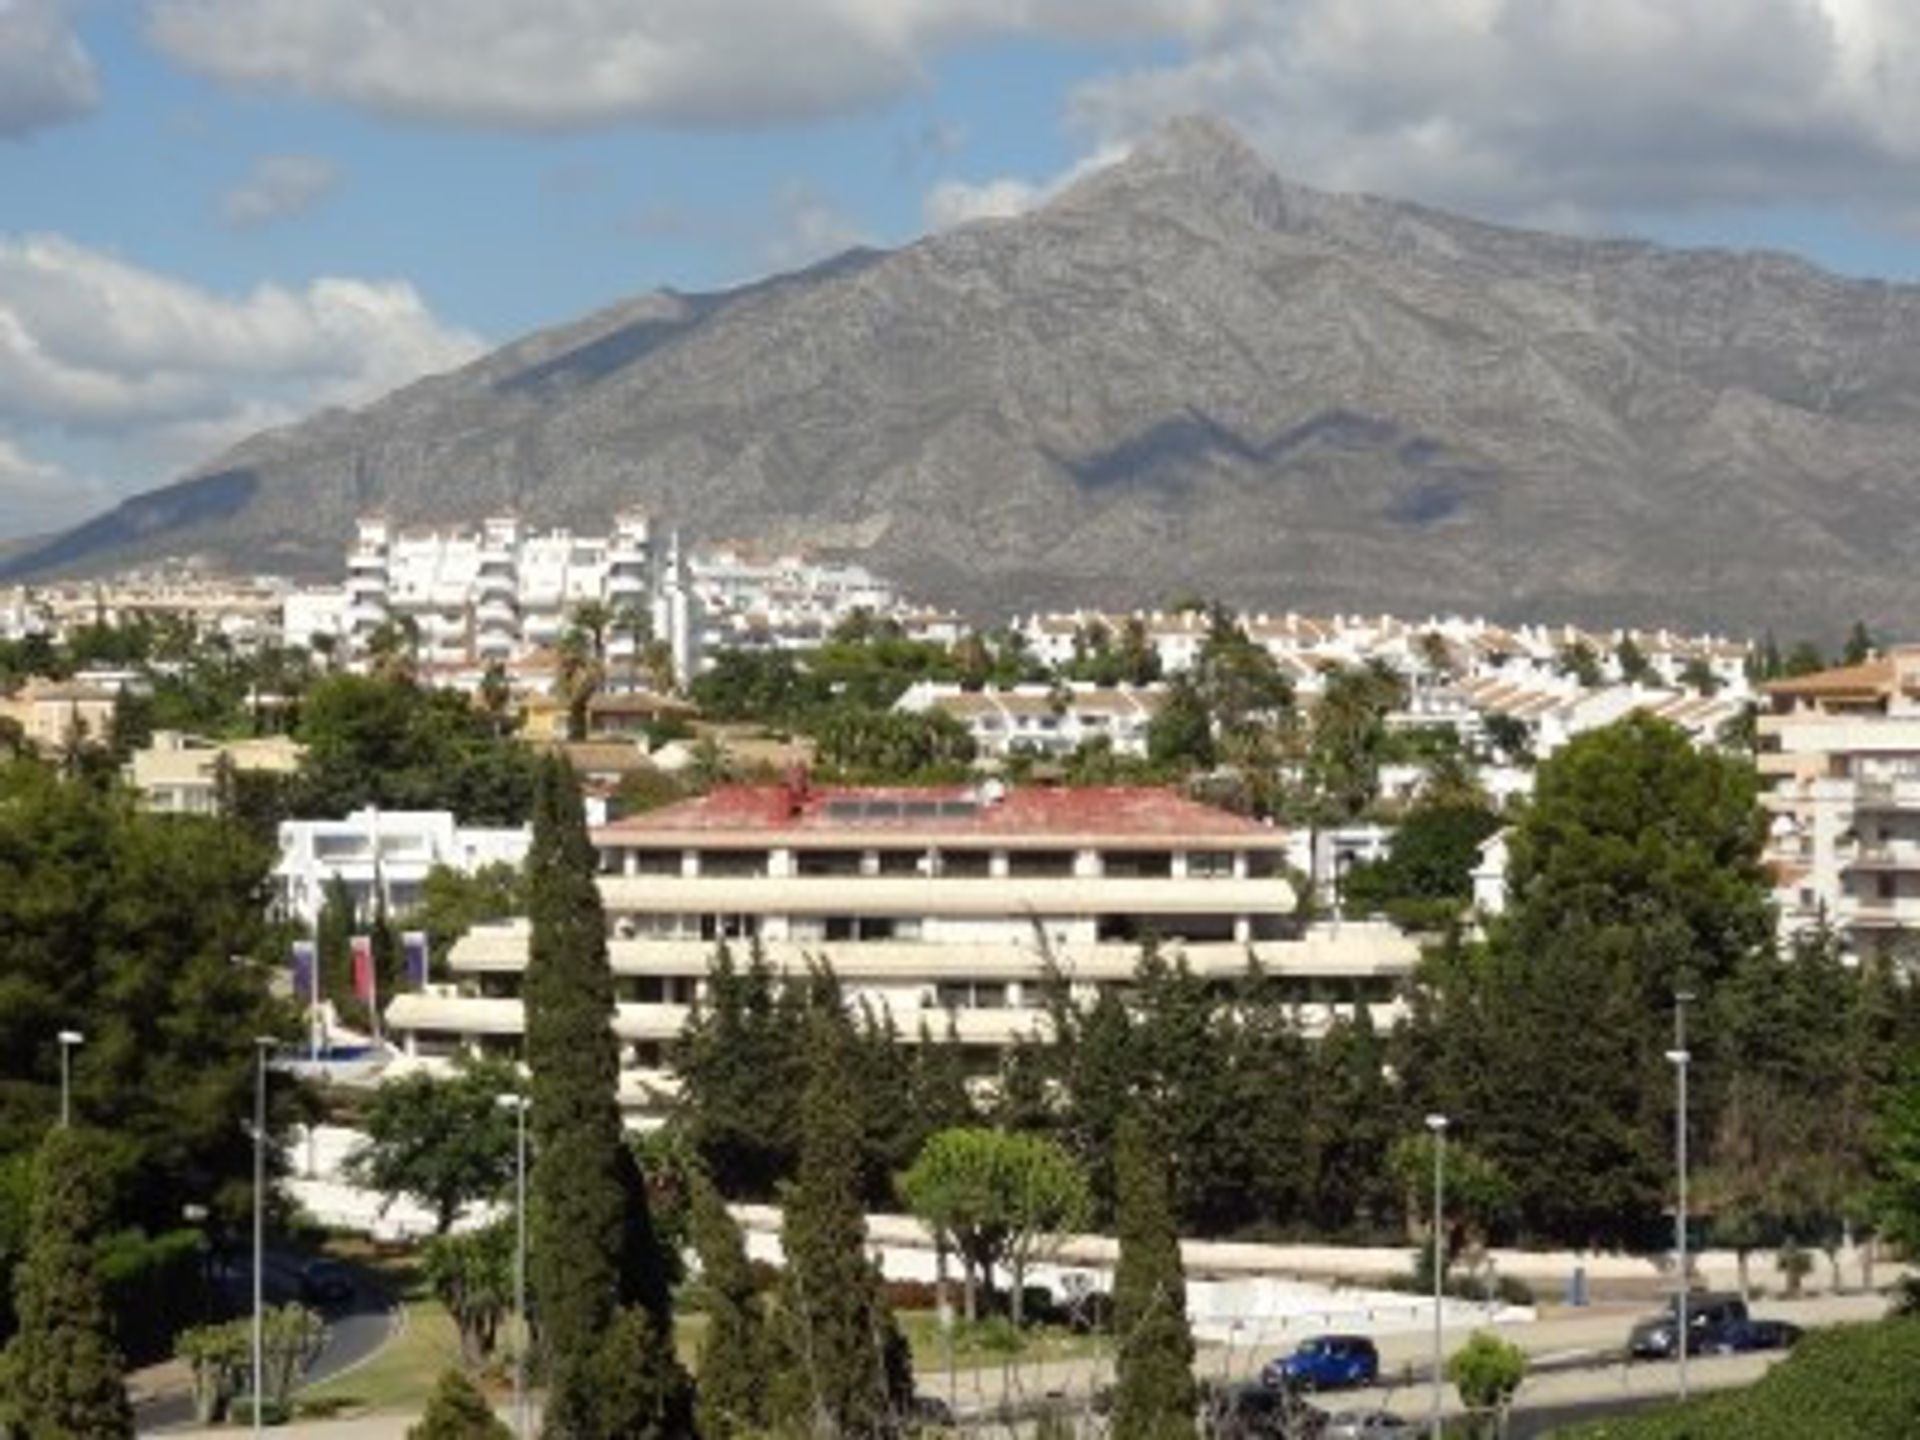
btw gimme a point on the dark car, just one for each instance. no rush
(1744, 1335)
(1256, 1411)
(325, 1282)
(1710, 1319)
(930, 1412)
(1326, 1362)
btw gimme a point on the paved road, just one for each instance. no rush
(356, 1329)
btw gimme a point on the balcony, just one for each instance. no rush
(924, 895)
(1878, 912)
(1880, 855)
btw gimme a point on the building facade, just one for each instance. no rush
(1839, 760)
(951, 910)
(179, 774)
(383, 854)
(504, 591)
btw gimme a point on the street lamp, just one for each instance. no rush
(263, 1046)
(1437, 1125)
(68, 1039)
(1678, 1057)
(519, 1105)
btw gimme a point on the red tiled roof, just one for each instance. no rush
(957, 810)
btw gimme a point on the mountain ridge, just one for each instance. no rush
(1183, 373)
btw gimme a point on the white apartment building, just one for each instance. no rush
(937, 906)
(1840, 760)
(1038, 720)
(387, 852)
(503, 591)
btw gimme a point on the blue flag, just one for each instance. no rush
(303, 970)
(413, 946)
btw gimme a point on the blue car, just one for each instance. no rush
(1326, 1362)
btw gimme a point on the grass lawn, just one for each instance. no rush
(980, 1346)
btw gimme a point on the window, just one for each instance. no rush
(1035, 864)
(733, 863)
(963, 864)
(901, 862)
(1137, 864)
(829, 862)
(1210, 864)
(656, 862)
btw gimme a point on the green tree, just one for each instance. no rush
(1860, 645)
(841, 1368)
(472, 1275)
(1634, 874)
(741, 1073)
(733, 1352)
(1487, 1371)
(1426, 878)
(996, 1199)
(452, 902)
(1180, 735)
(1348, 741)
(596, 1257)
(1897, 1193)
(1632, 663)
(1154, 1395)
(458, 1411)
(1578, 660)
(63, 1369)
(444, 1142)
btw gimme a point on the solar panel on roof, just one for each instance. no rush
(845, 809)
(921, 809)
(883, 810)
(959, 809)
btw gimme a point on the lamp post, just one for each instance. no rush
(1678, 1057)
(263, 1046)
(519, 1105)
(68, 1039)
(1437, 1126)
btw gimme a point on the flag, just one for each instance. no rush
(303, 963)
(413, 945)
(363, 977)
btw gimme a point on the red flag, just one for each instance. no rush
(363, 968)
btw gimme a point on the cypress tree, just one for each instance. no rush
(458, 1411)
(596, 1254)
(1154, 1392)
(733, 1357)
(64, 1370)
(842, 1368)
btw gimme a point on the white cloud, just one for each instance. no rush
(278, 187)
(36, 495)
(163, 373)
(46, 75)
(955, 202)
(539, 64)
(1528, 107)
(808, 228)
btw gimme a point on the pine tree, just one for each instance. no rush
(458, 1411)
(595, 1250)
(733, 1356)
(64, 1371)
(842, 1368)
(1154, 1392)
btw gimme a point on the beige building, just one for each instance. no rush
(179, 774)
(1839, 760)
(937, 906)
(55, 714)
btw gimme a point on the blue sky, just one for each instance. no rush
(218, 214)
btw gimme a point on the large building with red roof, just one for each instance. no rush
(950, 908)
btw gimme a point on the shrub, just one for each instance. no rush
(1860, 1381)
(1486, 1371)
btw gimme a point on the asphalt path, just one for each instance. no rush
(356, 1329)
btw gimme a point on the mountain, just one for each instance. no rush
(1182, 374)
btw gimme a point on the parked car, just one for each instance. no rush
(930, 1412)
(1326, 1362)
(324, 1282)
(1710, 1318)
(1744, 1335)
(1251, 1410)
(1367, 1425)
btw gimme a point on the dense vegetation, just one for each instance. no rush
(1860, 1381)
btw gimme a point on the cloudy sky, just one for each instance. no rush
(217, 215)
